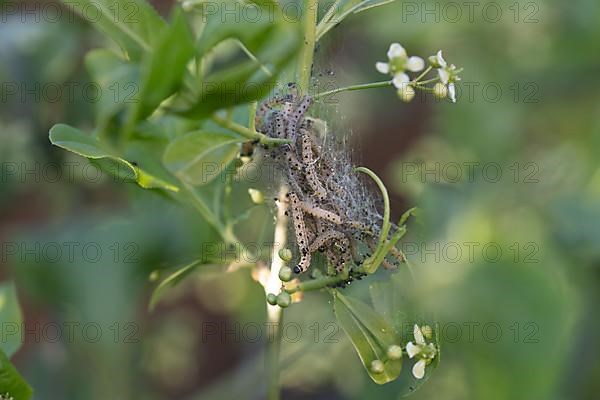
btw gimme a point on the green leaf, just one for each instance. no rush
(11, 319)
(393, 300)
(163, 69)
(118, 84)
(77, 142)
(389, 303)
(343, 9)
(368, 4)
(223, 26)
(133, 24)
(171, 281)
(200, 156)
(370, 334)
(271, 46)
(11, 381)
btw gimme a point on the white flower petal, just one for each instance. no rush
(382, 67)
(444, 75)
(418, 369)
(412, 350)
(396, 50)
(415, 64)
(400, 80)
(452, 92)
(440, 59)
(418, 335)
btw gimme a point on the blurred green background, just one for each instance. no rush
(508, 243)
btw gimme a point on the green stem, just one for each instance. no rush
(353, 87)
(251, 114)
(247, 132)
(323, 282)
(372, 263)
(227, 234)
(273, 284)
(428, 81)
(308, 48)
(251, 56)
(272, 360)
(329, 13)
(418, 78)
(275, 316)
(326, 18)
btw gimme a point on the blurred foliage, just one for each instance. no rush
(546, 121)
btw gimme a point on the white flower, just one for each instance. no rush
(423, 351)
(398, 63)
(418, 369)
(448, 73)
(452, 92)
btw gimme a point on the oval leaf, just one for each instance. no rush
(370, 335)
(245, 81)
(12, 382)
(200, 156)
(392, 299)
(133, 24)
(171, 281)
(117, 80)
(163, 69)
(77, 142)
(11, 319)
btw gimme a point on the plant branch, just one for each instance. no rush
(273, 284)
(371, 263)
(418, 78)
(206, 213)
(353, 87)
(247, 132)
(308, 48)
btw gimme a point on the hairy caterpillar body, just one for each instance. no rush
(300, 230)
(321, 213)
(309, 165)
(320, 241)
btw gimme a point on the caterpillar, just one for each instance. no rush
(297, 116)
(321, 213)
(320, 241)
(309, 166)
(301, 235)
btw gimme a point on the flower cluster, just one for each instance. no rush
(423, 351)
(399, 63)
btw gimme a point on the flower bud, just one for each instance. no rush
(434, 62)
(406, 93)
(154, 275)
(271, 299)
(187, 5)
(427, 331)
(256, 196)
(377, 366)
(285, 274)
(394, 352)
(440, 90)
(285, 254)
(284, 299)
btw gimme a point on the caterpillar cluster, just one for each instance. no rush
(331, 209)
